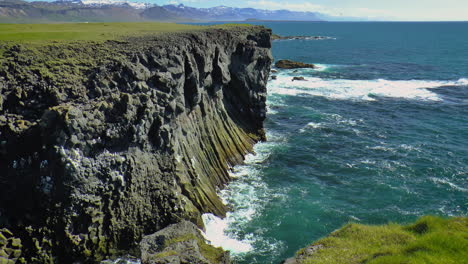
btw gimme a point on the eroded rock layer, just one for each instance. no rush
(102, 143)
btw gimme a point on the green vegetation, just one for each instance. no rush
(62, 53)
(429, 240)
(95, 32)
(85, 31)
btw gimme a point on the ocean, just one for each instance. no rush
(378, 133)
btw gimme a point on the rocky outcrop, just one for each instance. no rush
(180, 243)
(288, 64)
(296, 78)
(102, 143)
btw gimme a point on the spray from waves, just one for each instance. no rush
(246, 196)
(366, 90)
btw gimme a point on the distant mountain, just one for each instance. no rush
(224, 13)
(18, 11)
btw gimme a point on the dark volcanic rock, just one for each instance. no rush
(124, 138)
(298, 79)
(180, 243)
(288, 64)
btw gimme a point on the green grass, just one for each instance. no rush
(63, 53)
(85, 31)
(429, 240)
(40, 33)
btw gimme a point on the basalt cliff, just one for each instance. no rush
(102, 143)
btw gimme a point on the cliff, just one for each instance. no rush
(102, 142)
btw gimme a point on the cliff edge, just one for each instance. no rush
(102, 142)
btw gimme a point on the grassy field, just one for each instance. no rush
(85, 31)
(429, 240)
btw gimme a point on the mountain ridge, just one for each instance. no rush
(19, 11)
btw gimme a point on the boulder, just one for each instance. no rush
(298, 79)
(180, 243)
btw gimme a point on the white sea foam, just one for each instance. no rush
(246, 195)
(366, 90)
(216, 234)
(462, 81)
(449, 183)
(315, 125)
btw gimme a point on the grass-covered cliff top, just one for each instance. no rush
(429, 240)
(40, 33)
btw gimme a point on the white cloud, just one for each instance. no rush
(264, 4)
(310, 7)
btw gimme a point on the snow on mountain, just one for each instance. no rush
(136, 5)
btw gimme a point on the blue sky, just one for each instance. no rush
(436, 10)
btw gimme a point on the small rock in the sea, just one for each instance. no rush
(274, 77)
(289, 64)
(298, 79)
(274, 71)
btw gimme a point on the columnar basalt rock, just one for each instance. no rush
(96, 153)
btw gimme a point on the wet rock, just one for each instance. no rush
(274, 77)
(288, 64)
(298, 78)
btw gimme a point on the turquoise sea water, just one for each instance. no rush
(378, 133)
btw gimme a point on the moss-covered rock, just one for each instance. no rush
(10, 248)
(180, 243)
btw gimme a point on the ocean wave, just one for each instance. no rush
(462, 82)
(246, 195)
(216, 234)
(367, 90)
(449, 183)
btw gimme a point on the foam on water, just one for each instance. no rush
(462, 82)
(245, 195)
(216, 234)
(449, 183)
(366, 90)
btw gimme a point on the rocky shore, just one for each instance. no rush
(102, 143)
(278, 37)
(289, 64)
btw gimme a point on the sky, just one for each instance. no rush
(405, 10)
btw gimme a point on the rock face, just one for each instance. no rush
(288, 64)
(180, 243)
(103, 143)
